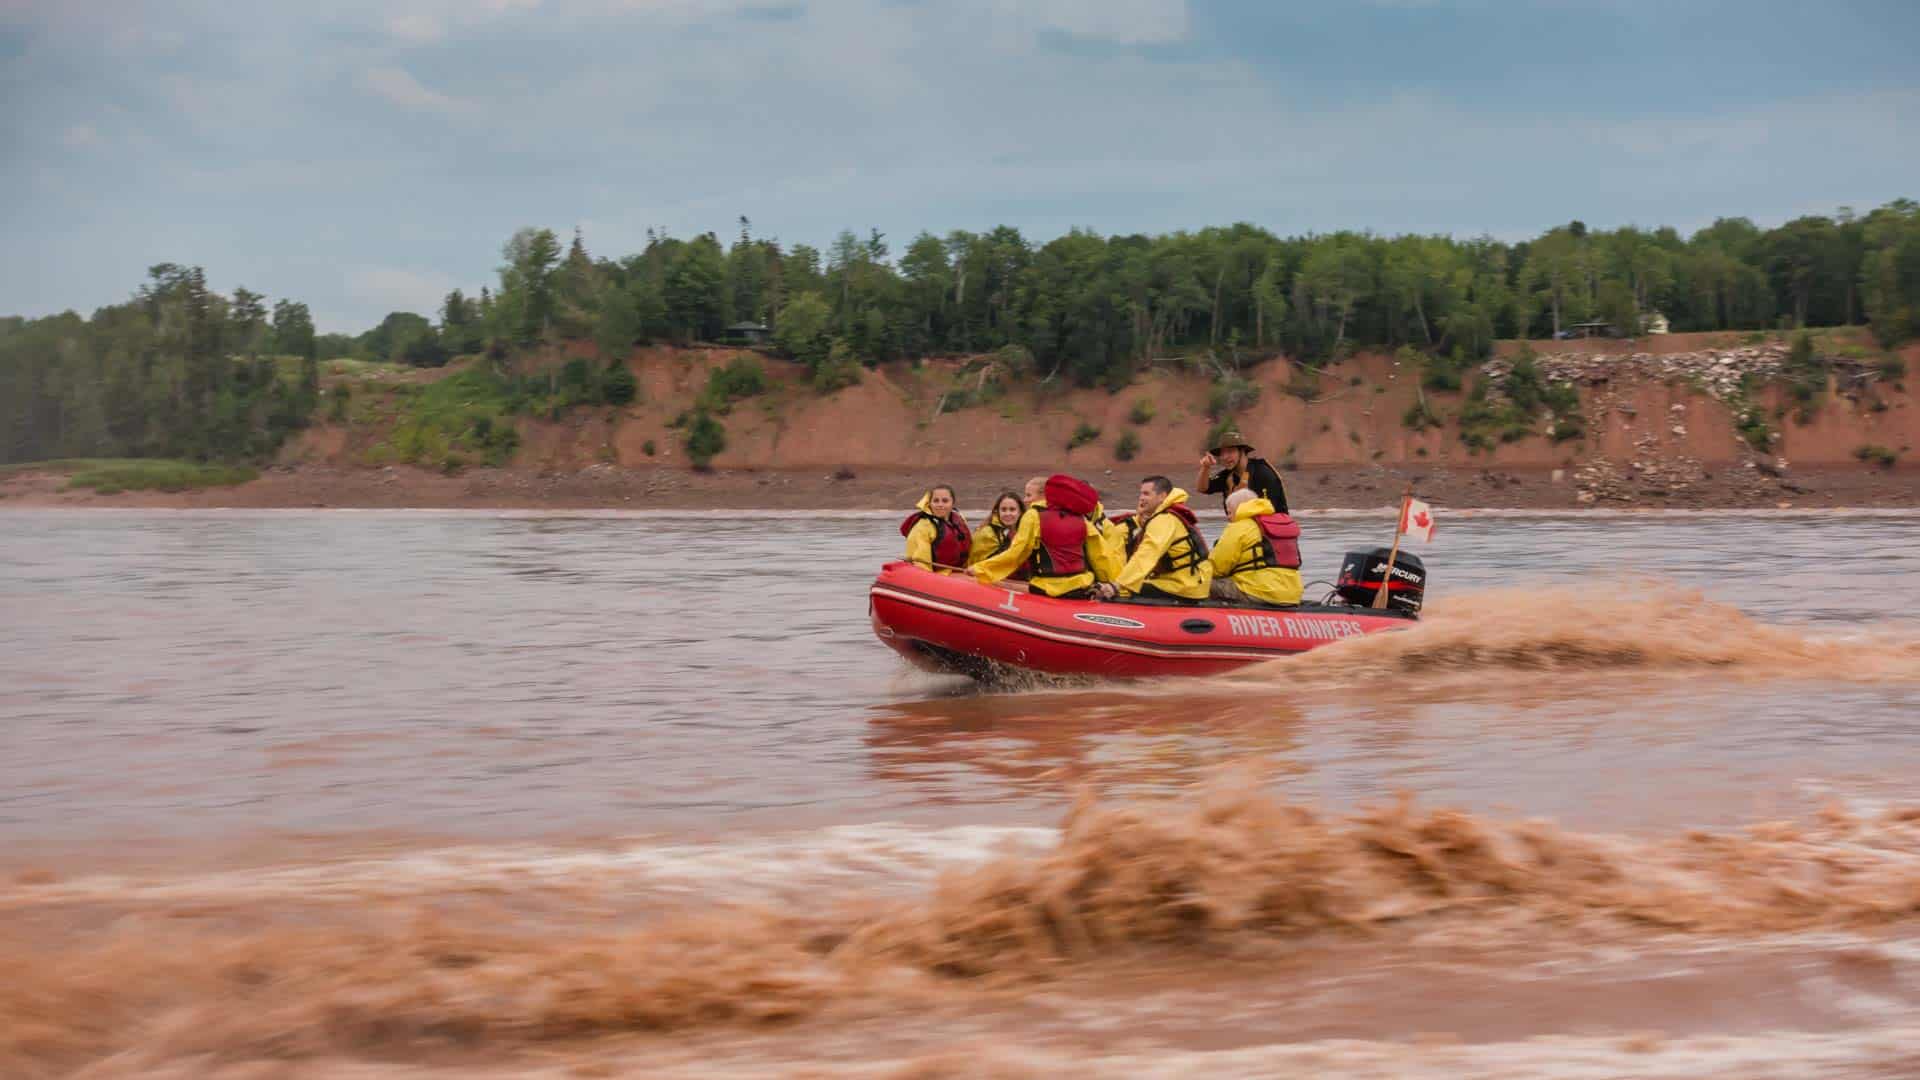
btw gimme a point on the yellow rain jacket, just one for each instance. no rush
(1166, 557)
(920, 537)
(1026, 538)
(991, 538)
(1118, 535)
(1239, 546)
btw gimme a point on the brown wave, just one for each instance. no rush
(1227, 866)
(1625, 625)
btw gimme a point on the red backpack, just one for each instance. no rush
(1072, 494)
(1062, 550)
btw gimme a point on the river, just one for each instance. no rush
(448, 793)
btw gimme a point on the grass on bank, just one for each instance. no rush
(111, 476)
(453, 422)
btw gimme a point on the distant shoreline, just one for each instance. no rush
(665, 488)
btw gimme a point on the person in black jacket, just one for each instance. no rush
(1238, 468)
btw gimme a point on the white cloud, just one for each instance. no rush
(426, 21)
(629, 114)
(396, 86)
(416, 26)
(392, 288)
(1126, 22)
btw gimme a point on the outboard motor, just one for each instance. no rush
(1362, 571)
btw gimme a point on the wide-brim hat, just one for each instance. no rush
(1232, 438)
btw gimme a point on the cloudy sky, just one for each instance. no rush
(368, 155)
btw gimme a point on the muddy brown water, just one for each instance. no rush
(447, 792)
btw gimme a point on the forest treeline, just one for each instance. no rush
(180, 371)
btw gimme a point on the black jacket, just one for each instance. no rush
(1260, 477)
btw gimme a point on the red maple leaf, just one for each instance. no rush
(1421, 519)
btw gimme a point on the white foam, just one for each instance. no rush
(1770, 1056)
(873, 857)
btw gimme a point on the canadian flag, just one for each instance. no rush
(1417, 520)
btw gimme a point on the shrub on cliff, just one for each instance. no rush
(838, 371)
(1142, 411)
(466, 411)
(1304, 383)
(1485, 421)
(1220, 427)
(1232, 394)
(742, 377)
(1877, 455)
(705, 439)
(618, 386)
(1420, 416)
(1016, 359)
(1128, 447)
(1082, 435)
(1437, 372)
(1806, 375)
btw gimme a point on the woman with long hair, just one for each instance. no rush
(997, 534)
(937, 536)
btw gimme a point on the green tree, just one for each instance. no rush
(1337, 276)
(1890, 272)
(929, 278)
(695, 290)
(1798, 255)
(576, 291)
(293, 330)
(169, 373)
(460, 327)
(1617, 309)
(1555, 272)
(803, 331)
(390, 340)
(749, 277)
(619, 325)
(1270, 303)
(249, 315)
(527, 296)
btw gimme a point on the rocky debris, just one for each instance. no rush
(1719, 371)
(1650, 476)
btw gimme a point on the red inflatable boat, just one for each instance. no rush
(951, 623)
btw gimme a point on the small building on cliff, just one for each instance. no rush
(748, 333)
(1589, 330)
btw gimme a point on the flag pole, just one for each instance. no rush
(1393, 555)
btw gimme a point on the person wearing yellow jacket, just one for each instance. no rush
(1120, 531)
(1258, 556)
(1062, 553)
(996, 535)
(1169, 556)
(1030, 505)
(937, 536)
